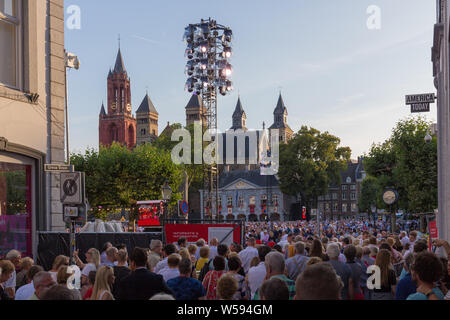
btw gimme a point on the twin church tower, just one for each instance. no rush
(118, 124)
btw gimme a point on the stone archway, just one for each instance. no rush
(253, 217)
(275, 217)
(230, 217)
(242, 217)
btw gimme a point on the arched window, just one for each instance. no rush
(113, 133)
(130, 136)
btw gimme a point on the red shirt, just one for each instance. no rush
(88, 294)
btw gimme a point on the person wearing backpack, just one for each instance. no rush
(222, 251)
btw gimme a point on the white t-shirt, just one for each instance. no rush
(212, 252)
(88, 268)
(11, 282)
(169, 273)
(246, 256)
(256, 277)
(25, 292)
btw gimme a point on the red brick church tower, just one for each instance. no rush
(118, 125)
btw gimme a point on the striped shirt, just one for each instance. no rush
(289, 282)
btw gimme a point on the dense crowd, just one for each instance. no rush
(280, 261)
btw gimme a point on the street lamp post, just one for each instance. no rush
(166, 192)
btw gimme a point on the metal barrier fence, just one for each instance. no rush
(52, 244)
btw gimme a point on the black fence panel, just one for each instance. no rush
(52, 244)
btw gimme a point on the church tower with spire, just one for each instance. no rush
(239, 117)
(147, 122)
(280, 121)
(195, 111)
(117, 124)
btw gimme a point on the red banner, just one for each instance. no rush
(433, 230)
(193, 232)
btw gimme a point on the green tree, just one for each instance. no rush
(408, 164)
(117, 177)
(370, 195)
(194, 172)
(309, 163)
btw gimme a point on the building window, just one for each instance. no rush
(10, 35)
(344, 207)
(263, 200)
(335, 206)
(240, 202)
(15, 207)
(352, 195)
(252, 200)
(334, 196)
(275, 200)
(327, 207)
(230, 201)
(154, 132)
(344, 187)
(143, 132)
(344, 195)
(353, 187)
(327, 197)
(354, 207)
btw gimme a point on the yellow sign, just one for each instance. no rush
(122, 219)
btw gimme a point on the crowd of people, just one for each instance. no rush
(279, 261)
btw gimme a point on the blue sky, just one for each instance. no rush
(335, 74)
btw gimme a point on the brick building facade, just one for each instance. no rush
(118, 123)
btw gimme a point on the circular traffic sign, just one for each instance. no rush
(184, 207)
(70, 187)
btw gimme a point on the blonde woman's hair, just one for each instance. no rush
(254, 262)
(101, 281)
(313, 260)
(204, 252)
(95, 256)
(184, 253)
(60, 260)
(383, 261)
(27, 262)
(62, 276)
(227, 287)
(192, 248)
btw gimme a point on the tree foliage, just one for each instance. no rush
(408, 164)
(118, 177)
(309, 163)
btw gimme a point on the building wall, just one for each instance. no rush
(150, 125)
(38, 127)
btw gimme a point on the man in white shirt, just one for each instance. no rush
(256, 275)
(168, 250)
(10, 285)
(25, 292)
(403, 238)
(111, 257)
(248, 254)
(171, 271)
(213, 248)
(200, 243)
(297, 263)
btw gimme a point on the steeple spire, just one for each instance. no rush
(239, 116)
(102, 110)
(119, 67)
